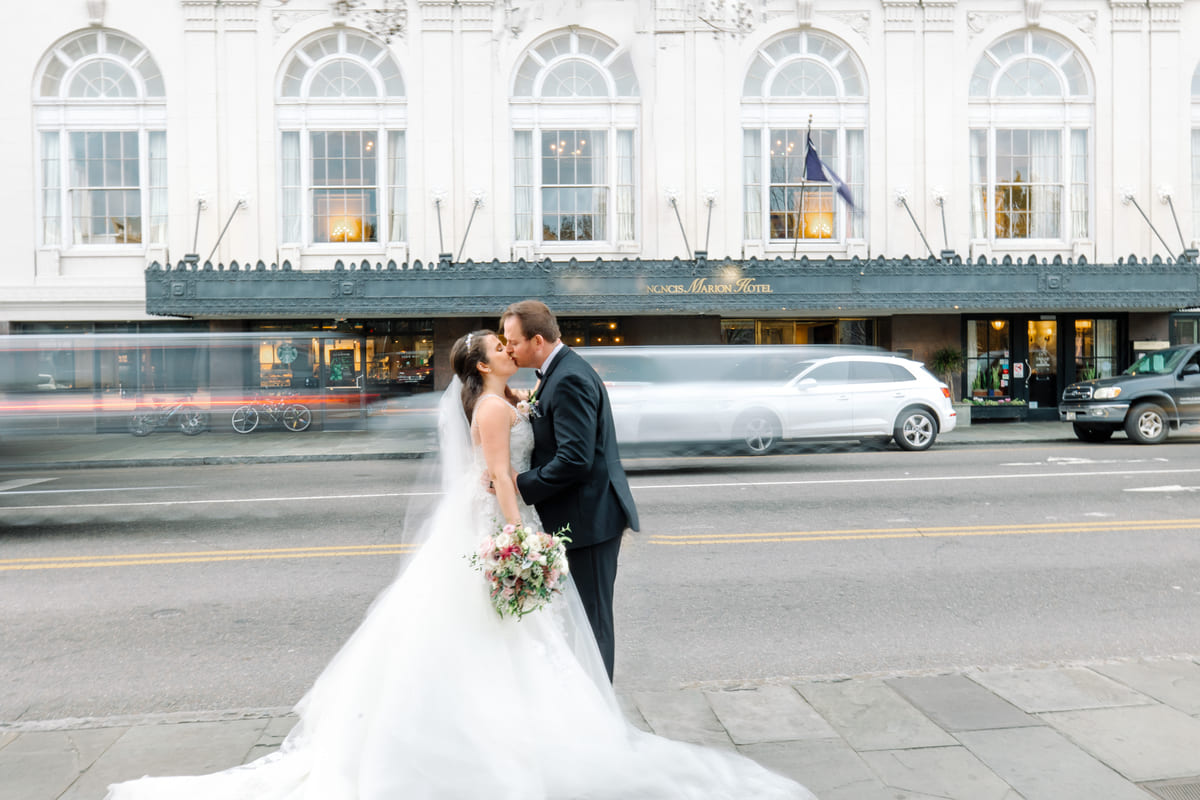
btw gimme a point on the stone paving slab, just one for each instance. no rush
(767, 714)
(871, 716)
(938, 772)
(1143, 743)
(1175, 682)
(43, 764)
(683, 715)
(1041, 764)
(957, 703)
(829, 768)
(195, 748)
(1067, 689)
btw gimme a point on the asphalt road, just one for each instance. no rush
(131, 591)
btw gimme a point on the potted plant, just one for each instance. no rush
(945, 362)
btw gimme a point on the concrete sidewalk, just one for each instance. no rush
(1127, 730)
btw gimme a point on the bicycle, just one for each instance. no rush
(295, 417)
(188, 418)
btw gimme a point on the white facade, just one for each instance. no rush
(566, 128)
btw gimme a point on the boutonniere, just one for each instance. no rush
(532, 407)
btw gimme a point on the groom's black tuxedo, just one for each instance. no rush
(575, 478)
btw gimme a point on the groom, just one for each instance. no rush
(575, 476)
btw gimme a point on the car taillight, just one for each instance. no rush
(946, 392)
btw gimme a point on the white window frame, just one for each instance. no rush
(616, 114)
(990, 112)
(842, 112)
(301, 114)
(56, 112)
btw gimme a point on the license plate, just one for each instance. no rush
(1070, 415)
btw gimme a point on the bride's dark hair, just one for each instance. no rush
(465, 356)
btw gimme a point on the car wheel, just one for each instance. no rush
(1092, 433)
(245, 419)
(191, 421)
(916, 429)
(758, 432)
(1146, 424)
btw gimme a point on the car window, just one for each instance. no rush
(834, 372)
(878, 372)
(1157, 363)
(621, 369)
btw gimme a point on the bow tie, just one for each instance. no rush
(538, 373)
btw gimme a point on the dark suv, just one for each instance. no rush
(1159, 392)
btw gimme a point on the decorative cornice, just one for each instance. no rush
(939, 15)
(857, 21)
(1085, 21)
(284, 21)
(1128, 15)
(979, 21)
(724, 286)
(804, 13)
(199, 15)
(1166, 14)
(1033, 12)
(899, 15)
(239, 15)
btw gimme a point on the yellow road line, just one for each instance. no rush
(1015, 529)
(148, 559)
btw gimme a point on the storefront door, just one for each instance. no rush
(1042, 382)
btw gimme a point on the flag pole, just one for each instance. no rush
(803, 179)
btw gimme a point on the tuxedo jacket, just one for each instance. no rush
(575, 476)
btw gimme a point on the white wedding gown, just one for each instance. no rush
(436, 696)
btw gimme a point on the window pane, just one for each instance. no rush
(291, 189)
(574, 79)
(574, 159)
(752, 182)
(397, 188)
(51, 190)
(344, 169)
(523, 185)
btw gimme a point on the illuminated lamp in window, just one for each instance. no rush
(818, 225)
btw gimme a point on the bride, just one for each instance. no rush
(436, 696)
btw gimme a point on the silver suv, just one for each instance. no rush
(759, 397)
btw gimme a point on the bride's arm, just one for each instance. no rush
(495, 427)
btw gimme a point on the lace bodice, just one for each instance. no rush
(520, 449)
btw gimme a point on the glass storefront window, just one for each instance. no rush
(1095, 348)
(793, 331)
(591, 332)
(989, 345)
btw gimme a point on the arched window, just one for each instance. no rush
(574, 111)
(798, 77)
(1196, 154)
(100, 111)
(342, 118)
(1031, 120)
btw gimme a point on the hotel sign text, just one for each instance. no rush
(702, 286)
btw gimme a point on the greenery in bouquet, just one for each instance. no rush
(524, 568)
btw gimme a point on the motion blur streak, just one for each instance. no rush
(917, 533)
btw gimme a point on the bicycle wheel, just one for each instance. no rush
(245, 419)
(141, 424)
(297, 417)
(192, 420)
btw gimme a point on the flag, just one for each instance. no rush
(816, 170)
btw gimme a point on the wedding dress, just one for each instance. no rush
(436, 696)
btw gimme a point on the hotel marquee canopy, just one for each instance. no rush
(701, 286)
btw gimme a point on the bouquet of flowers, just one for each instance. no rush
(524, 568)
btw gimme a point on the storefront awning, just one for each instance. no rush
(726, 287)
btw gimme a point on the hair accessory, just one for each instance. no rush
(469, 335)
